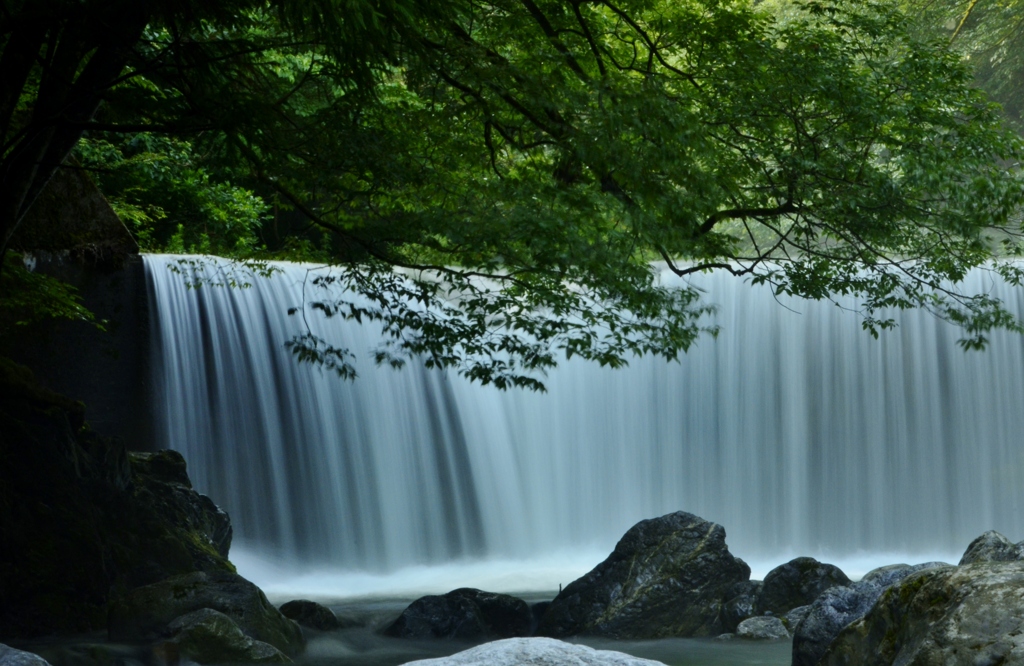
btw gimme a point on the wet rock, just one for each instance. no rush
(741, 604)
(463, 614)
(797, 583)
(762, 628)
(972, 614)
(207, 636)
(535, 652)
(145, 613)
(839, 606)
(311, 614)
(993, 547)
(667, 576)
(795, 617)
(11, 657)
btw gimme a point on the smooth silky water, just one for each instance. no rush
(794, 429)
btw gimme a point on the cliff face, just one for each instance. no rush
(83, 520)
(71, 233)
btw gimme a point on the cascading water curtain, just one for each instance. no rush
(794, 429)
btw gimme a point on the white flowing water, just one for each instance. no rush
(794, 429)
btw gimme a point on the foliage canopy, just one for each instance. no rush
(495, 178)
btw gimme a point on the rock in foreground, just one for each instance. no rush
(840, 606)
(535, 652)
(667, 576)
(972, 614)
(146, 612)
(11, 657)
(463, 614)
(209, 637)
(993, 547)
(796, 583)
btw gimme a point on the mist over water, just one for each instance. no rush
(794, 429)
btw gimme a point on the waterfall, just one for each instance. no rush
(794, 429)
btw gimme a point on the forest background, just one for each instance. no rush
(494, 180)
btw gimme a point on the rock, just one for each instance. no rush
(207, 636)
(993, 547)
(741, 605)
(839, 606)
(796, 583)
(972, 614)
(762, 628)
(11, 657)
(463, 614)
(795, 617)
(145, 613)
(535, 652)
(311, 614)
(82, 518)
(667, 576)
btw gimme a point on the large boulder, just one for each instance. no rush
(12, 657)
(973, 614)
(463, 614)
(667, 576)
(207, 636)
(796, 583)
(839, 606)
(993, 547)
(311, 614)
(762, 628)
(146, 612)
(535, 652)
(80, 517)
(741, 604)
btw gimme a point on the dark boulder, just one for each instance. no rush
(796, 583)
(973, 614)
(762, 628)
(311, 614)
(146, 612)
(463, 614)
(993, 547)
(839, 606)
(207, 636)
(740, 606)
(80, 516)
(667, 576)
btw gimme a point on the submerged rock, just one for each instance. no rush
(146, 612)
(207, 636)
(762, 628)
(741, 605)
(993, 547)
(839, 606)
(535, 652)
(12, 657)
(311, 614)
(463, 614)
(973, 614)
(797, 583)
(667, 576)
